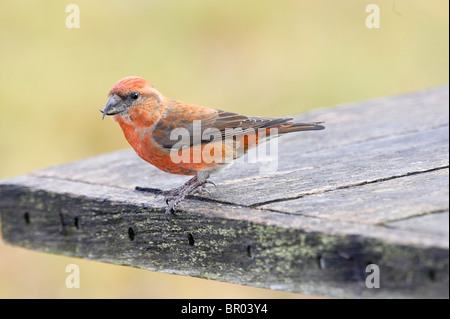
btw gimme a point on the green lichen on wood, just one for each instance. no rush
(218, 248)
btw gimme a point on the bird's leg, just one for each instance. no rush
(184, 189)
(174, 196)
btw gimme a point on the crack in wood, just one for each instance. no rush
(378, 180)
(436, 211)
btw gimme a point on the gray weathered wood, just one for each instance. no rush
(371, 188)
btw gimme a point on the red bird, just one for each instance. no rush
(210, 138)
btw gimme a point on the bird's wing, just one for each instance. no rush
(178, 119)
(182, 116)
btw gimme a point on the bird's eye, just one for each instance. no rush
(135, 95)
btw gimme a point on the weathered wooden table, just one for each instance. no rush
(371, 189)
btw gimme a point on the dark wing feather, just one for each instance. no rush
(228, 122)
(182, 115)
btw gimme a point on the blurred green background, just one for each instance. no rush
(268, 58)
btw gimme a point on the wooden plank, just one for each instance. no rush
(431, 223)
(233, 244)
(363, 191)
(376, 202)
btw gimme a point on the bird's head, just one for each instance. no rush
(131, 92)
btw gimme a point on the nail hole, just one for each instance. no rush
(75, 222)
(131, 234)
(62, 229)
(432, 275)
(249, 252)
(321, 262)
(26, 216)
(190, 239)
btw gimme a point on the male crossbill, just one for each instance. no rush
(210, 138)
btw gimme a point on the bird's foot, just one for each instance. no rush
(174, 196)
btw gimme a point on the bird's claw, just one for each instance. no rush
(170, 212)
(172, 202)
(210, 182)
